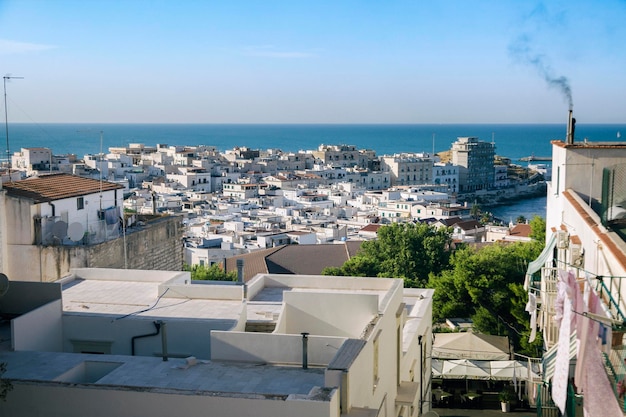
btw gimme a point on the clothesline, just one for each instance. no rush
(599, 319)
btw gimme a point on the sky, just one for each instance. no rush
(444, 61)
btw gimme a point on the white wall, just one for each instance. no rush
(272, 348)
(67, 400)
(40, 329)
(330, 314)
(185, 337)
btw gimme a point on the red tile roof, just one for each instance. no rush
(521, 230)
(56, 187)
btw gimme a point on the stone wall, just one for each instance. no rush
(157, 245)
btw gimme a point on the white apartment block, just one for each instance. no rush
(344, 156)
(137, 151)
(242, 191)
(501, 177)
(398, 210)
(370, 180)
(408, 169)
(475, 160)
(132, 342)
(309, 198)
(32, 161)
(196, 179)
(294, 161)
(446, 174)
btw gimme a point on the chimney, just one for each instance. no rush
(240, 270)
(240, 278)
(571, 127)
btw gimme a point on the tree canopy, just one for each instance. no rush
(211, 273)
(409, 251)
(483, 284)
(487, 285)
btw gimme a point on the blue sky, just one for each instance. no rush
(500, 61)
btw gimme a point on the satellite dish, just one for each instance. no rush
(59, 230)
(75, 231)
(4, 284)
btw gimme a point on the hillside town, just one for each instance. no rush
(97, 311)
(243, 200)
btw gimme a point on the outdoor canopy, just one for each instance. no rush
(465, 369)
(469, 345)
(485, 370)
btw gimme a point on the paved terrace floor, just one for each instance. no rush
(455, 412)
(174, 374)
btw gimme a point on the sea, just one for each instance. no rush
(514, 141)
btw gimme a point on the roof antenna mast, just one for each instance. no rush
(6, 114)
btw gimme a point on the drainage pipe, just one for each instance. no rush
(163, 339)
(157, 324)
(305, 350)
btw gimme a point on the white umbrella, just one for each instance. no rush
(465, 369)
(509, 370)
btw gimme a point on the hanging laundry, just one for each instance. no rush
(560, 377)
(599, 399)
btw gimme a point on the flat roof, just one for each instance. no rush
(154, 374)
(141, 299)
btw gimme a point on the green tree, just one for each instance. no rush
(409, 251)
(211, 273)
(520, 219)
(484, 284)
(538, 229)
(359, 266)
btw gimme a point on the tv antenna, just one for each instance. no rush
(6, 113)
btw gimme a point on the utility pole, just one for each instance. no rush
(6, 114)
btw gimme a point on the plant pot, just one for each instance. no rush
(506, 407)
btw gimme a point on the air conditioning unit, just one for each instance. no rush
(576, 255)
(562, 239)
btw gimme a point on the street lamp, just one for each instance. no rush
(6, 114)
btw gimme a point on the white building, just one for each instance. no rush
(501, 177)
(446, 174)
(586, 246)
(155, 343)
(475, 160)
(56, 209)
(242, 191)
(32, 161)
(370, 180)
(191, 178)
(408, 169)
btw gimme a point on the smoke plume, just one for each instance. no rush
(521, 51)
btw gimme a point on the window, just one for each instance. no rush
(80, 203)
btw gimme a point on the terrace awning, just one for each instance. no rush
(541, 260)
